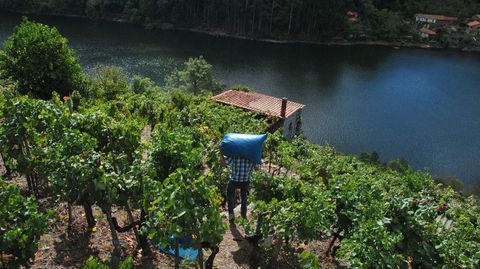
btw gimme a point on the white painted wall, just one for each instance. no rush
(423, 19)
(290, 125)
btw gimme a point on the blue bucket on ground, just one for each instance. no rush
(186, 253)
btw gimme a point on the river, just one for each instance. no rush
(420, 105)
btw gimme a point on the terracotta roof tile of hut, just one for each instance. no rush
(257, 102)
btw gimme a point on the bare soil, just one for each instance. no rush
(64, 247)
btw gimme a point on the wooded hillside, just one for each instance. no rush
(305, 19)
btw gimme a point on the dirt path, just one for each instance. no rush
(235, 252)
(146, 137)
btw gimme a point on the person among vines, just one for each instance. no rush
(240, 173)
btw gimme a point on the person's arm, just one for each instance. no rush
(222, 160)
(258, 167)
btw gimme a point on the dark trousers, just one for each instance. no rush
(231, 187)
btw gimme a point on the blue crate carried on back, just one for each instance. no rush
(248, 146)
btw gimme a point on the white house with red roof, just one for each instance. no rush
(283, 113)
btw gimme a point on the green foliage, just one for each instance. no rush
(195, 76)
(446, 7)
(383, 23)
(382, 217)
(87, 158)
(452, 182)
(445, 39)
(126, 264)
(23, 136)
(94, 263)
(21, 224)
(308, 260)
(217, 120)
(241, 87)
(38, 58)
(182, 200)
(372, 158)
(79, 153)
(76, 174)
(331, 16)
(184, 205)
(108, 82)
(296, 211)
(173, 149)
(93, 160)
(400, 165)
(141, 85)
(151, 105)
(45, 7)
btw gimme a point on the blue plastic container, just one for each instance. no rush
(186, 253)
(248, 146)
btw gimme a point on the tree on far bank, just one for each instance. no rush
(383, 23)
(37, 57)
(460, 8)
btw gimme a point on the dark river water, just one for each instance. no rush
(421, 105)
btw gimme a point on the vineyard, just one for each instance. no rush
(85, 150)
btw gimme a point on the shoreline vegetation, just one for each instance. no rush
(395, 45)
(223, 34)
(394, 24)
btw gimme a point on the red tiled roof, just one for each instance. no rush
(257, 102)
(473, 23)
(436, 17)
(427, 31)
(352, 14)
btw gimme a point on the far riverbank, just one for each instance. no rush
(221, 33)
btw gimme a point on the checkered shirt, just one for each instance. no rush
(241, 168)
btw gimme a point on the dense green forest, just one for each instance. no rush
(85, 150)
(289, 19)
